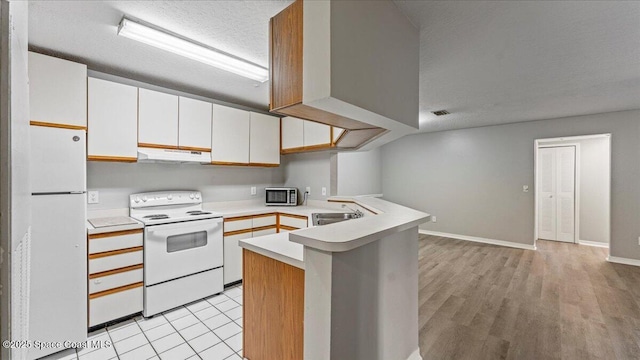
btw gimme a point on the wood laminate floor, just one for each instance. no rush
(563, 301)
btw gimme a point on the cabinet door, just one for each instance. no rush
(230, 136)
(157, 119)
(292, 133)
(57, 91)
(233, 257)
(194, 124)
(316, 134)
(264, 146)
(113, 121)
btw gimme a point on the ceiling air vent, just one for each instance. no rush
(440, 112)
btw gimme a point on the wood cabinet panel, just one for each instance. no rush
(285, 63)
(273, 309)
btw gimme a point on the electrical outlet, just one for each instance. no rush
(308, 190)
(525, 188)
(638, 240)
(253, 190)
(92, 197)
(324, 191)
(434, 218)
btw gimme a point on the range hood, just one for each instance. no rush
(173, 155)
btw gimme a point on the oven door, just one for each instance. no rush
(180, 249)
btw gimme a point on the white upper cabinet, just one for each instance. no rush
(57, 92)
(316, 134)
(264, 140)
(113, 121)
(230, 135)
(194, 124)
(157, 119)
(292, 133)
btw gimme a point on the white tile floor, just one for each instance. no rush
(209, 329)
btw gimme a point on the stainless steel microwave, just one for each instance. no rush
(281, 196)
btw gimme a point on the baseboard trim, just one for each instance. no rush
(415, 355)
(625, 261)
(479, 239)
(593, 243)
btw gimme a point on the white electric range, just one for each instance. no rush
(183, 248)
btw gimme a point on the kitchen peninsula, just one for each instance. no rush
(348, 290)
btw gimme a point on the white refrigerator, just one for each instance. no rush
(58, 290)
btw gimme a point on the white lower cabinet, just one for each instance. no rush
(116, 275)
(115, 305)
(233, 257)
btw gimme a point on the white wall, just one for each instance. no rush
(15, 190)
(472, 179)
(116, 181)
(308, 169)
(359, 173)
(594, 188)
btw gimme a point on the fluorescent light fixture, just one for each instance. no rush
(162, 39)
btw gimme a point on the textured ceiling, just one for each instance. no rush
(507, 61)
(486, 62)
(85, 31)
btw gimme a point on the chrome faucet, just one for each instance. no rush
(358, 213)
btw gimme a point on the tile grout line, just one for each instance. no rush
(185, 340)
(148, 341)
(143, 334)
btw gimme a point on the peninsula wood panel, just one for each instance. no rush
(273, 310)
(285, 61)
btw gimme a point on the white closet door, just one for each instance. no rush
(566, 162)
(556, 193)
(546, 194)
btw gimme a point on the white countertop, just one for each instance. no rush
(278, 247)
(348, 235)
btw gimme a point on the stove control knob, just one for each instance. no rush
(169, 197)
(144, 198)
(197, 196)
(191, 196)
(137, 199)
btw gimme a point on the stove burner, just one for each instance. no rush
(157, 216)
(198, 212)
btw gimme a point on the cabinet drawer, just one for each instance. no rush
(296, 222)
(115, 305)
(114, 241)
(259, 220)
(116, 261)
(235, 225)
(113, 281)
(265, 232)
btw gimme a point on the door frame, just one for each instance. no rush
(570, 141)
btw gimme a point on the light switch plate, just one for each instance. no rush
(253, 190)
(434, 218)
(324, 191)
(93, 197)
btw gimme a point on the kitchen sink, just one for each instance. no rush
(330, 218)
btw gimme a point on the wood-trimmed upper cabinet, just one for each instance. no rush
(230, 133)
(264, 143)
(113, 121)
(194, 124)
(302, 135)
(57, 92)
(157, 119)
